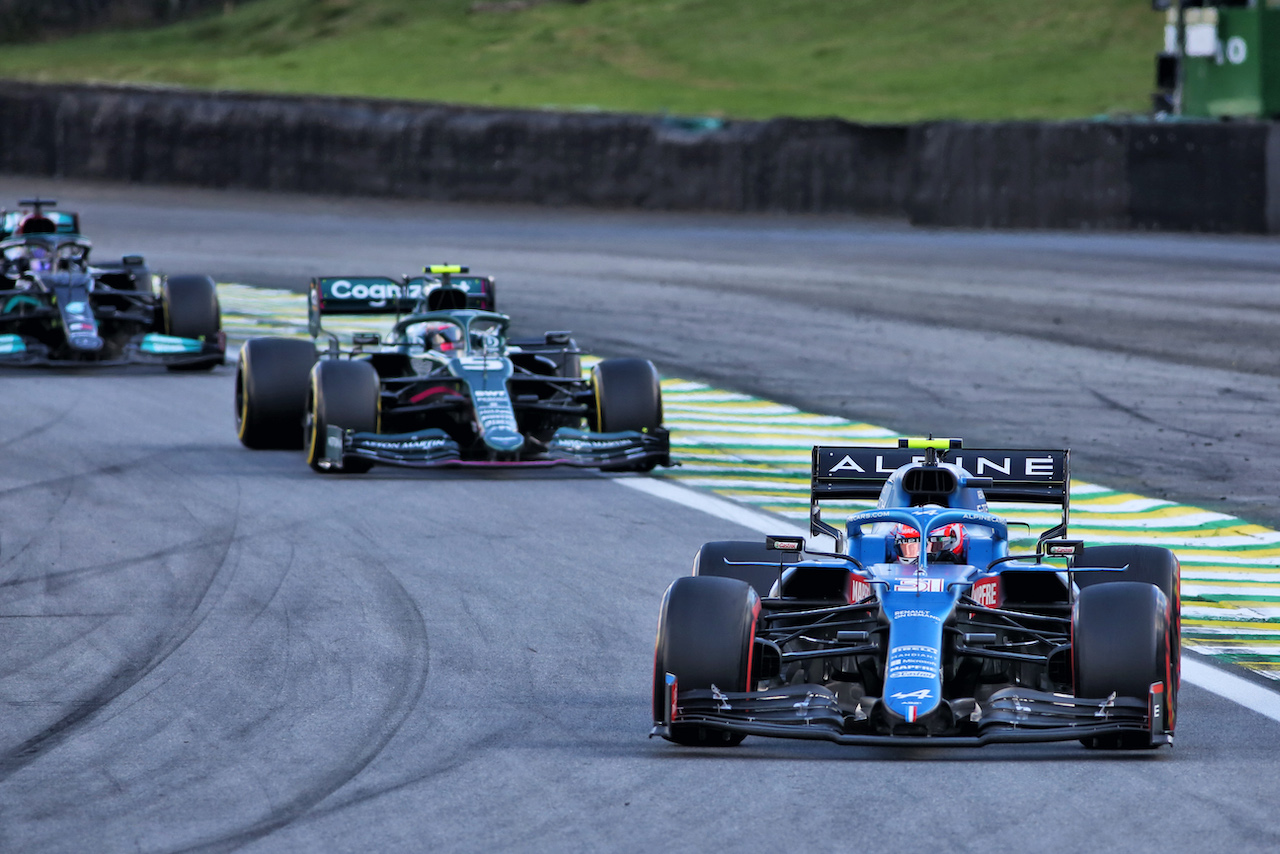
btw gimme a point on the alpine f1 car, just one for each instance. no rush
(921, 627)
(444, 387)
(57, 308)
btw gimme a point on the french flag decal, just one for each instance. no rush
(912, 711)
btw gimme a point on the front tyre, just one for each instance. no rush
(628, 397)
(191, 310)
(706, 631)
(343, 394)
(1122, 643)
(1149, 564)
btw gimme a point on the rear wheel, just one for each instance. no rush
(628, 397)
(705, 635)
(343, 394)
(711, 561)
(191, 310)
(1122, 643)
(272, 380)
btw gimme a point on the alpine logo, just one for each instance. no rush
(922, 694)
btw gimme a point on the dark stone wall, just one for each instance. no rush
(340, 145)
(1202, 176)
(1190, 176)
(1021, 175)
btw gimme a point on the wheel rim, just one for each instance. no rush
(242, 400)
(310, 425)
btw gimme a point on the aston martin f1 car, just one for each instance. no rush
(57, 308)
(921, 627)
(444, 387)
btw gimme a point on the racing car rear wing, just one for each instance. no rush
(383, 295)
(1006, 474)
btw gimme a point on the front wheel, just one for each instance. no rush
(1122, 644)
(343, 394)
(1149, 564)
(628, 397)
(706, 631)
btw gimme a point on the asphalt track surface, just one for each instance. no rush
(207, 648)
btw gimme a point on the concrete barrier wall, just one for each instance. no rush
(1217, 177)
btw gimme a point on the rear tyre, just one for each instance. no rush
(706, 631)
(273, 377)
(628, 398)
(1152, 565)
(710, 561)
(1122, 642)
(343, 394)
(191, 310)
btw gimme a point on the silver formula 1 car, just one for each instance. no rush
(58, 308)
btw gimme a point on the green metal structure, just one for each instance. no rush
(1220, 60)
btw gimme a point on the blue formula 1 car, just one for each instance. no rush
(921, 627)
(58, 308)
(444, 387)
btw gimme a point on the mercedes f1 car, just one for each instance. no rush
(57, 308)
(444, 387)
(921, 627)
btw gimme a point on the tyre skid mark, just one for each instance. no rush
(302, 803)
(126, 675)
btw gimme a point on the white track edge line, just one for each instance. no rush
(1252, 696)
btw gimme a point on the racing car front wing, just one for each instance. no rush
(149, 349)
(434, 448)
(1011, 715)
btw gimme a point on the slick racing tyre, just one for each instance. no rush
(706, 631)
(343, 394)
(711, 561)
(1122, 642)
(628, 397)
(273, 376)
(191, 310)
(1153, 565)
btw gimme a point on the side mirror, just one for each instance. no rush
(133, 260)
(784, 544)
(366, 339)
(1069, 549)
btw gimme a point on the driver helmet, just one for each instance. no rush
(38, 259)
(946, 544)
(445, 338)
